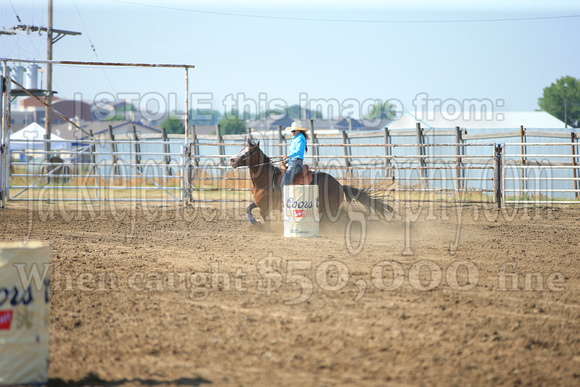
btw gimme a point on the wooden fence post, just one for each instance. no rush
(193, 161)
(219, 141)
(221, 152)
(166, 158)
(346, 149)
(93, 160)
(194, 146)
(312, 144)
(459, 184)
(523, 160)
(421, 152)
(574, 164)
(497, 178)
(388, 153)
(114, 168)
(191, 158)
(280, 139)
(93, 157)
(136, 149)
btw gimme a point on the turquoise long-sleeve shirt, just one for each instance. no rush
(297, 147)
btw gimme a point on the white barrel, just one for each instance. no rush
(301, 211)
(31, 81)
(18, 74)
(24, 312)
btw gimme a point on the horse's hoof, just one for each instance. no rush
(251, 219)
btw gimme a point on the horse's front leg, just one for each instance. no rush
(265, 212)
(251, 218)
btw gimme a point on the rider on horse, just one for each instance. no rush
(296, 156)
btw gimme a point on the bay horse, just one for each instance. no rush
(263, 174)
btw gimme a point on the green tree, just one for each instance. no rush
(173, 125)
(124, 107)
(562, 100)
(117, 117)
(295, 112)
(381, 111)
(231, 123)
(204, 116)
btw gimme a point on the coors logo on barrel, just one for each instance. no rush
(301, 205)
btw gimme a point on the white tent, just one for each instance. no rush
(28, 138)
(477, 120)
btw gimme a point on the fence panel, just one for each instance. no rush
(137, 171)
(540, 173)
(446, 166)
(389, 163)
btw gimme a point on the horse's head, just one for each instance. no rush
(247, 156)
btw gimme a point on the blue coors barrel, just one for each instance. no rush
(24, 313)
(301, 211)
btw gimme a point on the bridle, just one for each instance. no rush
(253, 152)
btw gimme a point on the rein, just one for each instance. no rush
(258, 165)
(270, 162)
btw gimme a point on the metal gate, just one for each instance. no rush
(94, 170)
(147, 169)
(540, 173)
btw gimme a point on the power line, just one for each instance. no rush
(85, 28)
(13, 32)
(93, 46)
(16, 13)
(390, 21)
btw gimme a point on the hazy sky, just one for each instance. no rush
(313, 52)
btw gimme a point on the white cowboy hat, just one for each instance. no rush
(296, 125)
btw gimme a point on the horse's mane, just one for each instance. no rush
(253, 144)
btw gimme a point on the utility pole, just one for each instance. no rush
(50, 40)
(48, 112)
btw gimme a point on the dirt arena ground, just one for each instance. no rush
(186, 297)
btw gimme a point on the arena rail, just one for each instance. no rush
(153, 168)
(424, 165)
(546, 177)
(420, 165)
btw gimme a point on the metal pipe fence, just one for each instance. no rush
(171, 170)
(540, 177)
(91, 171)
(5, 132)
(392, 169)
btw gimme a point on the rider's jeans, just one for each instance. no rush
(294, 166)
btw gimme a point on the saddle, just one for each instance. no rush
(303, 177)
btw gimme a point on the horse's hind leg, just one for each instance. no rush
(249, 213)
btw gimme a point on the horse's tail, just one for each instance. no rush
(373, 202)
